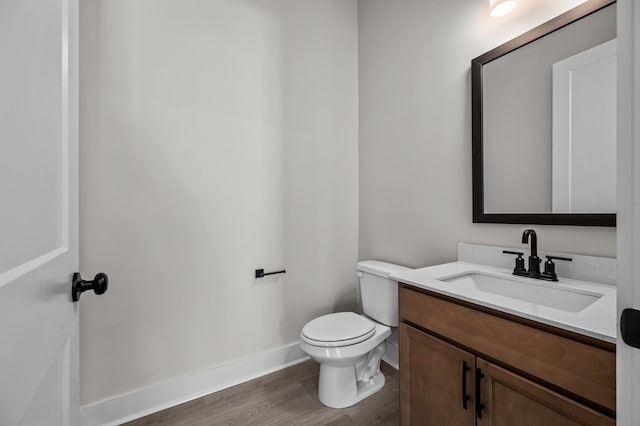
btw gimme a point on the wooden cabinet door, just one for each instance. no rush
(510, 399)
(432, 377)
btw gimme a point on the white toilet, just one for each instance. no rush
(349, 346)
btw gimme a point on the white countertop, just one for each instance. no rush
(597, 320)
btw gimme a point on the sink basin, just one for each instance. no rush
(544, 294)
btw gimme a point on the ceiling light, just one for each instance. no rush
(501, 7)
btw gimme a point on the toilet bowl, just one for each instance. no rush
(349, 346)
(349, 364)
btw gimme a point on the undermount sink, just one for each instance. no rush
(544, 294)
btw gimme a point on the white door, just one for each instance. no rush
(583, 128)
(38, 212)
(628, 358)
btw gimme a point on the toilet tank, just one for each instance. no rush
(379, 293)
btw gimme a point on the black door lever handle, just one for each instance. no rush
(99, 285)
(630, 327)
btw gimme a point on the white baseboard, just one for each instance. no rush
(391, 355)
(153, 398)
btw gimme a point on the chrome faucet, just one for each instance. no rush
(549, 273)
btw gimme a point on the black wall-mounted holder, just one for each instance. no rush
(260, 273)
(630, 327)
(99, 285)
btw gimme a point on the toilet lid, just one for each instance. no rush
(339, 329)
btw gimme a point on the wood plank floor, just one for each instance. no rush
(286, 397)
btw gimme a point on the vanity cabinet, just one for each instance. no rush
(461, 364)
(510, 399)
(432, 392)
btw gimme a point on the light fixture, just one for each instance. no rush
(501, 7)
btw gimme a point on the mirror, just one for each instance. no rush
(544, 123)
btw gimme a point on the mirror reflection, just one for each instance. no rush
(549, 122)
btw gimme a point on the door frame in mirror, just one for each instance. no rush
(479, 215)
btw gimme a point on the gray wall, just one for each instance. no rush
(216, 137)
(415, 130)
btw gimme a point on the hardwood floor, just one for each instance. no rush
(286, 397)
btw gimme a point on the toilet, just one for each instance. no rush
(349, 346)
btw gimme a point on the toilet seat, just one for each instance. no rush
(339, 329)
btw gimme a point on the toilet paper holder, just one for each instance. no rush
(260, 273)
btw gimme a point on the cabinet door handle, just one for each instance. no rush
(479, 404)
(465, 397)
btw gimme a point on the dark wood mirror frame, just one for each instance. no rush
(479, 215)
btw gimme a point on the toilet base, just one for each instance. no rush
(344, 386)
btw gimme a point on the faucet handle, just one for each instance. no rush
(550, 267)
(519, 268)
(552, 258)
